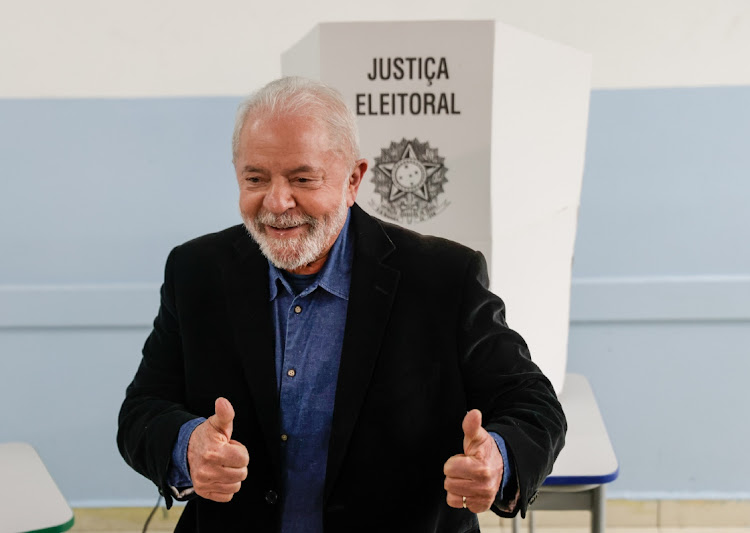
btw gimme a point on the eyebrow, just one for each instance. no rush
(301, 168)
(306, 168)
(250, 168)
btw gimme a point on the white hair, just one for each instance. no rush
(299, 96)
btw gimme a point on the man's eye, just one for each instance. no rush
(252, 179)
(307, 181)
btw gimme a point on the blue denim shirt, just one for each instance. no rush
(309, 334)
(309, 337)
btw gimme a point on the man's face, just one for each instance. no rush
(295, 189)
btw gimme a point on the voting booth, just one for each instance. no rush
(474, 131)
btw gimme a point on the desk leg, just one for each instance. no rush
(517, 522)
(598, 510)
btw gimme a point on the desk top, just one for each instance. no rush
(29, 498)
(588, 457)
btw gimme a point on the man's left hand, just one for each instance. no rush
(473, 478)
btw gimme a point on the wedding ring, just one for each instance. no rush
(464, 498)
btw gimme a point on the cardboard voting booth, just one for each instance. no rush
(474, 131)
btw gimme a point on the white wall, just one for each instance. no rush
(140, 48)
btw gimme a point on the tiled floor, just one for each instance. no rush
(580, 529)
(623, 517)
(537, 530)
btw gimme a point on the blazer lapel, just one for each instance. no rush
(373, 288)
(247, 299)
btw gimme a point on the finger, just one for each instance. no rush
(469, 477)
(212, 473)
(230, 475)
(472, 503)
(474, 433)
(464, 487)
(459, 466)
(233, 455)
(454, 500)
(471, 489)
(223, 419)
(478, 506)
(223, 488)
(217, 496)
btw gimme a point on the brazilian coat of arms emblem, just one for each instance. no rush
(409, 176)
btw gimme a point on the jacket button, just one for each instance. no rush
(271, 497)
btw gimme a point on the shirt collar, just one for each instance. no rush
(335, 275)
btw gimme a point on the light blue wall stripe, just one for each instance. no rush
(679, 298)
(75, 306)
(686, 298)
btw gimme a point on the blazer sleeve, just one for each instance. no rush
(153, 410)
(517, 401)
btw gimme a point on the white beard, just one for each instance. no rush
(294, 252)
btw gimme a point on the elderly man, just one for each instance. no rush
(331, 372)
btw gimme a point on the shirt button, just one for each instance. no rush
(290, 372)
(284, 437)
(271, 497)
(297, 309)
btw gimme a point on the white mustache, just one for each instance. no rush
(285, 220)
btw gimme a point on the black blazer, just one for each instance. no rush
(425, 341)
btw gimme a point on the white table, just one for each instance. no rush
(29, 498)
(586, 463)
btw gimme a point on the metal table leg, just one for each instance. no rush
(591, 498)
(517, 522)
(598, 510)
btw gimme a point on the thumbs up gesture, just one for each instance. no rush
(218, 464)
(473, 478)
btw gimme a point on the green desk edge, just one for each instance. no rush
(56, 529)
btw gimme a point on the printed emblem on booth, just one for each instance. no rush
(409, 176)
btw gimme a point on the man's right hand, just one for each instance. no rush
(218, 464)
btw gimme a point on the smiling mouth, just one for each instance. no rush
(280, 228)
(282, 231)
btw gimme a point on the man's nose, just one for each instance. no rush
(279, 197)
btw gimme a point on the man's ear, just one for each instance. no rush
(355, 180)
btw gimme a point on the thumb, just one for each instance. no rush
(474, 433)
(223, 420)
